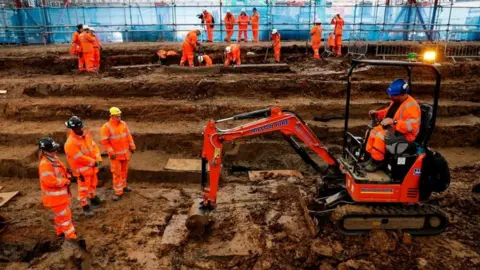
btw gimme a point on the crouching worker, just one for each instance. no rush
(163, 56)
(205, 60)
(400, 122)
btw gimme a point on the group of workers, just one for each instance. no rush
(334, 39)
(84, 160)
(86, 46)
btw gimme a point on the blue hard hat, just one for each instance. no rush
(398, 87)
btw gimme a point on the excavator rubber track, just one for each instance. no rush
(420, 220)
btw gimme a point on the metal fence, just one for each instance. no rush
(459, 46)
(358, 45)
(49, 21)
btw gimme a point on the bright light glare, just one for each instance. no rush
(429, 56)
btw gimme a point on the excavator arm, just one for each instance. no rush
(272, 119)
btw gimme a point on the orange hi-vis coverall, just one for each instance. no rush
(207, 61)
(233, 56)
(189, 47)
(408, 117)
(96, 52)
(276, 46)
(86, 41)
(118, 142)
(331, 42)
(242, 21)
(76, 49)
(316, 34)
(208, 20)
(338, 32)
(163, 54)
(229, 21)
(56, 195)
(82, 154)
(255, 23)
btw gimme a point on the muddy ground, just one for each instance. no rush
(258, 224)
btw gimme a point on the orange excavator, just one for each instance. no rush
(391, 198)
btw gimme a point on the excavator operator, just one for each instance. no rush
(400, 122)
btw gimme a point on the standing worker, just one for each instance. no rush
(232, 55)
(316, 34)
(86, 41)
(229, 21)
(255, 23)
(118, 142)
(209, 22)
(338, 32)
(190, 45)
(96, 49)
(331, 42)
(243, 21)
(84, 158)
(55, 187)
(276, 44)
(205, 60)
(76, 48)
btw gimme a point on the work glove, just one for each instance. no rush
(132, 151)
(72, 179)
(82, 178)
(97, 164)
(112, 157)
(372, 113)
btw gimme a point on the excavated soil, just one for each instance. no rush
(258, 224)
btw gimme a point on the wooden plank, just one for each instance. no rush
(312, 228)
(7, 196)
(136, 66)
(1, 187)
(176, 231)
(184, 165)
(265, 175)
(182, 69)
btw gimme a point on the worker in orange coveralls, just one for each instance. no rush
(255, 23)
(400, 122)
(86, 42)
(243, 20)
(276, 44)
(163, 56)
(190, 45)
(331, 42)
(316, 34)
(96, 49)
(209, 23)
(54, 183)
(84, 158)
(118, 142)
(232, 55)
(229, 21)
(338, 32)
(205, 60)
(76, 48)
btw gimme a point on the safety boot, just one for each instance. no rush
(127, 189)
(87, 211)
(117, 197)
(96, 201)
(374, 165)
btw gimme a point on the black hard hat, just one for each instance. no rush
(79, 26)
(254, 9)
(74, 122)
(48, 144)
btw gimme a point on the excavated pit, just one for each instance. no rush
(258, 224)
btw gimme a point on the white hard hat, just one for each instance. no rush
(200, 29)
(243, 10)
(200, 58)
(92, 29)
(228, 49)
(204, 9)
(274, 31)
(228, 11)
(85, 26)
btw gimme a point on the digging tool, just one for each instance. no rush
(359, 200)
(266, 55)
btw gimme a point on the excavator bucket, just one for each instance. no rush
(198, 218)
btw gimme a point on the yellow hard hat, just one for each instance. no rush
(115, 111)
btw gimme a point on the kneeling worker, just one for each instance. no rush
(399, 121)
(205, 60)
(232, 55)
(163, 56)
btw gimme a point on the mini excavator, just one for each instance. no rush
(392, 198)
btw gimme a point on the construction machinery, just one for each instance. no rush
(356, 200)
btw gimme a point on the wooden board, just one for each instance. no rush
(312, 228)
(7, 196)
(136, 66)
(197, 69)
(1, 187)
(262, 175)
(185, 165)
